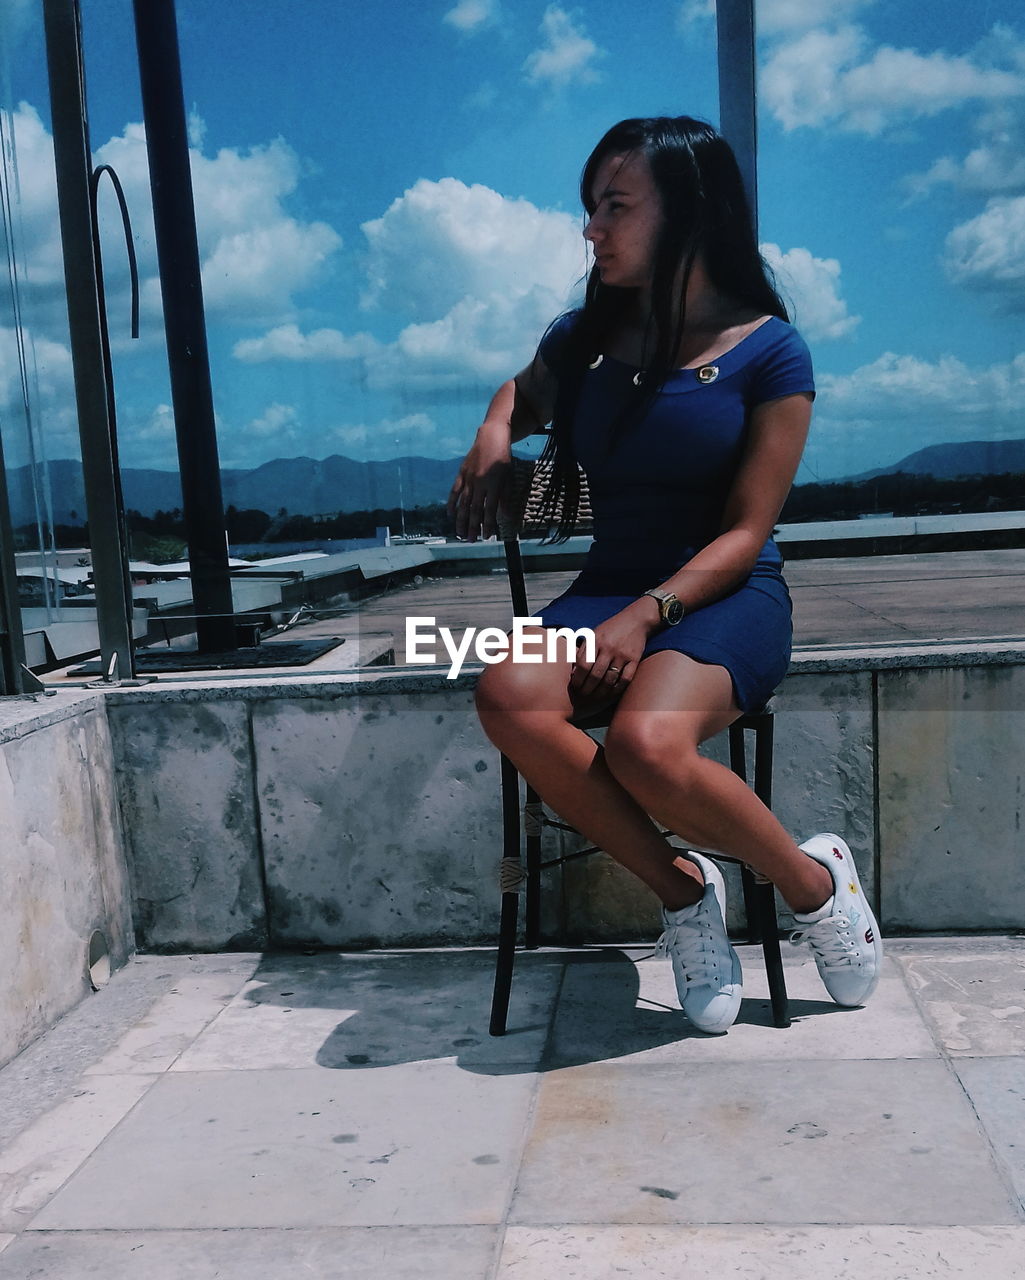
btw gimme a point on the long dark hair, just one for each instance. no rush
(705, 210)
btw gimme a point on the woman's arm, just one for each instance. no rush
(519, 408)
(776, 438)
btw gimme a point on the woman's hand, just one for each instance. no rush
(473, 500)
(618, 645)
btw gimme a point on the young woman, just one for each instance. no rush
(685, 395)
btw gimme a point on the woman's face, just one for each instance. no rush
(626, 222)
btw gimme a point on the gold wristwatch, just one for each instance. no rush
(669, 607)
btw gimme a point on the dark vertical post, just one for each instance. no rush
(12, 640)
(735, 27)
(73, 163)
(174, 218)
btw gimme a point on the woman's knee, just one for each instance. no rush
(507, 690)
(646, 751)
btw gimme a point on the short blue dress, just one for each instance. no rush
(657, 498)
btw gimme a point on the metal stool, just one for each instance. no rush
(518, 872)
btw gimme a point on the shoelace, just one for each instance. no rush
(692, 943)
(829, 939)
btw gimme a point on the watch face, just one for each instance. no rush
(673, 612)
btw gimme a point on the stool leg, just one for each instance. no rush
(506, 957)
(771, 953)
(738, 763)
(768, 924)
(752, 905)
(533, 825)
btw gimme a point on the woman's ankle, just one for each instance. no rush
(688, 887)
(816, 896)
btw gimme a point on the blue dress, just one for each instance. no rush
(658, 495)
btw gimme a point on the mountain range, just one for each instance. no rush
(948, 461)
(310, 486)
(302, 486)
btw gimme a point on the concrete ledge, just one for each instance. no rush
(362, 809)
(375, 816)
(24, 714)
(65, 872)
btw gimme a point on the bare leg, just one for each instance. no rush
(651, 748)
(650, 765)
(525, 711)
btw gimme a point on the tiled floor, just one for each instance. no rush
(347, 1115)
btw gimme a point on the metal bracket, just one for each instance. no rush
(31, 683)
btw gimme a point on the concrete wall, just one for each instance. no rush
(361, 810)
(357, 811)
(64, 872)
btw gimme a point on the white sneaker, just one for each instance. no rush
(842, 933)
(707, 969)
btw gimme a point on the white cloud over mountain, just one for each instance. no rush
(286, 342)
(896, 404)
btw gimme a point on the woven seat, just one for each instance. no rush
(525, 823)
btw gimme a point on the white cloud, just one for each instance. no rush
(255, 256)
(813, 284)
(471, 15)
(277, 420)
(442, 241)
(827, 77)
(388, 438)
(478, 275)
(287, 342)
(900, 403)
(994, 166)
(988, 251)
(945, 388)
(774, 16)
(47, 368)
(566, 55)
(36, 231)
(694, 12)
(51, 392)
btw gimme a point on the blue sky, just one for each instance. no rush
(386, 196)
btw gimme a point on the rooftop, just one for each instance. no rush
(340, 1114)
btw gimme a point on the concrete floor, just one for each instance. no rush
(333, 1115)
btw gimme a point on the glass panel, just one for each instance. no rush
(388, 221)
(38, 423)
(891, 180)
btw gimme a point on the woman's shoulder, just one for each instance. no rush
(780, 362)
(555, 341)
(784, 335)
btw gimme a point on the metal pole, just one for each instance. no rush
(73, 163)
(735, 29)
(12, 640)
(174, 219)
